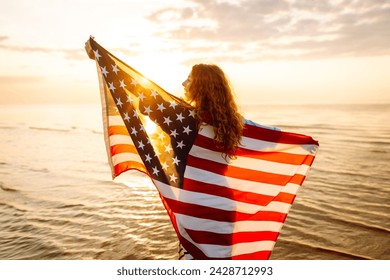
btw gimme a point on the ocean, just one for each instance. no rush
(58, 200)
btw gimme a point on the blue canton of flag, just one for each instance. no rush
(161, 126)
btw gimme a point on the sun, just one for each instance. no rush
(161, 63)
(165, 72)
(150, 126)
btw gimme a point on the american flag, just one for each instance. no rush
(219, 209)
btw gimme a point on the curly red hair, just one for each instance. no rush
(212, 94)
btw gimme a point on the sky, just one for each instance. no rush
(273, 51)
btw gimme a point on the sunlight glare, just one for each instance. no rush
(150, 126)
(161, 63)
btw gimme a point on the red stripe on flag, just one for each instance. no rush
(281, 157)
(285, 198)
(239, 173)
(199, 255)
(127, 165)
(276, 156)
(262, 255)
(123, 148)
(117, 129)
(237, 195)
(297, 179)
(206, 237)
(277, 136)
(200, 211)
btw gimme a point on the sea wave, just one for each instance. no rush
(58, 200)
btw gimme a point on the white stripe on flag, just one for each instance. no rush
(218, 202)
(219, 251)
(116, 120)
(120, 139)
(208, 177)
(123, 157)
(190, 222)
(250, 163)
(252, 247)
(204, 176)
(259, 145)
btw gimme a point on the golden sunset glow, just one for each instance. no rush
(150, 126)
(273, 51)
(160, 68)
(97, 162)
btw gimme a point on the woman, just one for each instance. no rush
(206, 123)
(209, 94)
(208, 90)
(220, 208)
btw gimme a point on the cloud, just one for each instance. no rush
(12, 80)
(251, 30)
(3, 38)
(72, 54)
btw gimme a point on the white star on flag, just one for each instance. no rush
(104, 71)
(187, 130)
(173, 104)
(97, 55)
(134, 131)
(134, 82)
(111, 86)
(155, 170)
(141, 145)
(148, 158)
(154, 93)
(180, 117)
(115, 68)
(161, 107)
(164, 165)
(126, 118)
(147, 110)
(180, 144)
(174, 133)
(173, 178)
(168, 148)
(176, 160)
(167, 120)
